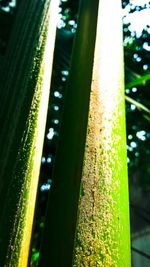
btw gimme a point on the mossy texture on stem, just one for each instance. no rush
(25, 94)
(102, 235)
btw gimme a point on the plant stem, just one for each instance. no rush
(24, 100)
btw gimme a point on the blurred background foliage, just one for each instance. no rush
(137, 83)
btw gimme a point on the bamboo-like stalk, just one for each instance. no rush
(102, 235)
(24, 89)
(89, 191)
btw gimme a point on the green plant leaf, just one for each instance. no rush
(138, 105)
(140, 80)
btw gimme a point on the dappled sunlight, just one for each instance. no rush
(138, 20)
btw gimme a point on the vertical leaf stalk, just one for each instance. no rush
(102, 235)
(25, 93)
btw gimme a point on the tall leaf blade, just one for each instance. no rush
(25, 83)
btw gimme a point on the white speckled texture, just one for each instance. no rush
(102, 236)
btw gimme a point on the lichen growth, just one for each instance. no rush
(102, 234)
(18, 208)
(103, 208)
